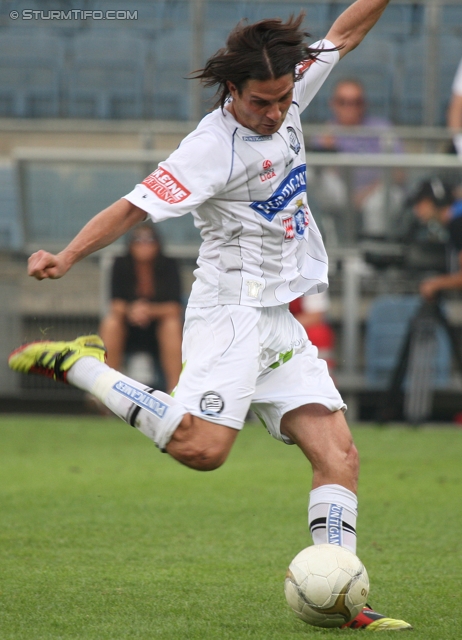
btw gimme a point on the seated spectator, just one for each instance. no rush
(145, 314)
(349, 108)
(311, 311)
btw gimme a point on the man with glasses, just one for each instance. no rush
(348, 104)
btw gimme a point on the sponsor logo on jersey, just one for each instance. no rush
(294, 184)
(334, 524)
(288, 223)
(166, 187)
(268, 171)
(253, 288)
(256, 138)
(141, 398)
(294, 142)
(211, 403)
(304, 66)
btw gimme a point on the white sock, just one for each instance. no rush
(332, 514)
(154, 413)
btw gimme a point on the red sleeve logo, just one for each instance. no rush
(166, 187)
(304, 66)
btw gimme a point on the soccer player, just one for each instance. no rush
(242, 175)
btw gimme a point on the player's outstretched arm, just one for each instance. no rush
(354, 23)
(99, 232)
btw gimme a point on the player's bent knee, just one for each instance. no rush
(200, 458)
(200, 444)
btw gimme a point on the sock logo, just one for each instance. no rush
(334, 524)
(142, 399)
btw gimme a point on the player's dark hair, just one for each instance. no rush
(265, 50)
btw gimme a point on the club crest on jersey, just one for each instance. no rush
(293, 140)
(299, 220)
(268, 171)
(293, 185)
(211, 403)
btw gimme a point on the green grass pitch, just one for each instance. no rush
(104, 537)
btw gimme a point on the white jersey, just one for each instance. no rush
(457, 83)
(247, 192)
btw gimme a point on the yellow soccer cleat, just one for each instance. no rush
(54, 359)
(370, 620)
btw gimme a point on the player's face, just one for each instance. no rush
(262, 105)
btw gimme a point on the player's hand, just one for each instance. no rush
(42, 265)
(428, 289)
(139, 313)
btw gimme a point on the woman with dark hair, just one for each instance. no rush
(145, 312)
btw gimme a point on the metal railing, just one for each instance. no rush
(347, 252)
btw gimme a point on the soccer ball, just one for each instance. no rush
(326, 585)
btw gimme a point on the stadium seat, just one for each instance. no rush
(106, 81)
(106, 89)
(29, 87)
(83, 186)
(451, 18)
(409, 81)
(10, 227)
(400, 20)
(450, 54)
(373, 65)
(221, 17)
(386, 328)
(171, 68)
(71, 70)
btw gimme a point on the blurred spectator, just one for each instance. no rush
(435, 206)
(454, 115)
(145, 315)
(311, 311)
(349, 108)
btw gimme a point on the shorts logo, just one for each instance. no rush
(166, 187)
(268, 171)
(211, 403)
(293, 140)
(334, 524)
(289, 233)
(256, 138)
(141, 398)
(253, 288)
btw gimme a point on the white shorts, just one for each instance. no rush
(238, 357)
